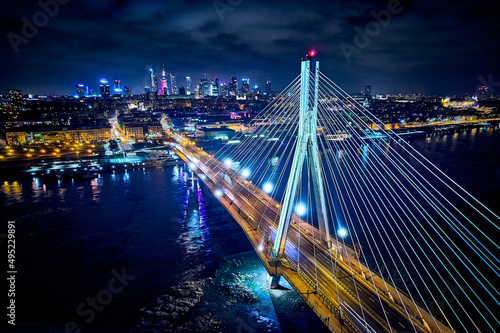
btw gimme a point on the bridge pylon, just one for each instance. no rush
(307, 147)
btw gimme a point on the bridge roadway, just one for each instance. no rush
(331, 268)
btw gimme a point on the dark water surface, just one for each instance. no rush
(72, 239)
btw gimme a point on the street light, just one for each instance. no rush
(192, 166)
(342, 232)
(218, 193)
(300, 209)
(268, 187)
(228, 162)
(246, 173)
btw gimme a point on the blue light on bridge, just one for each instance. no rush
(260, 248)
(300, 209)
(218, 193)
(268, 187)
(228, 162)
(192, 166)
(342, 232)
(246, 173)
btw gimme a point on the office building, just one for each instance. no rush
(104, 88)
(268, 87)
(245, 86)
(173, 84)
(188, 85)
(233, 86)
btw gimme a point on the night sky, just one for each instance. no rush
(428, 47)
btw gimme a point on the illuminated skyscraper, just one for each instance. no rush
(204, 86)
(214, 89)
(82, 90)
(164, 84)
(104, 88)
(368, 90)
(16, 102)
(173, 84)
(153, 82)
(268, 87)
(245, 85)
(127, 91)
(233, 86)
(118, 87)
(223, 90)
(188, 85)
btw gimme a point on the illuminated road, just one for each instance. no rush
(333, 269)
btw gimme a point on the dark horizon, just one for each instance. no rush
(425, 47)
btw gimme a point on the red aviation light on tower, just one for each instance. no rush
(312, 53)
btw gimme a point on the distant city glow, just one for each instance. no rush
(342, 232)
(268, 187)
(300, 209)
(246, 173)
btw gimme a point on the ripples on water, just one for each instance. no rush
(162, 226)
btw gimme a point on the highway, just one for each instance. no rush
(335, 274)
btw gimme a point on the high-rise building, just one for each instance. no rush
(153, 82)
(204, 87)
(173, 84)
(197, 92)
(188, 85)
(268, 87)
(233, 86)
(223, 89)
(368, 90)
(118, 87)
(16, 102)
(217, 87)
(82, 90)
(164, 84)
(128, 91)
(214, 89)
(182, 91)
(104, 88)
(256, 89)
(245, 86)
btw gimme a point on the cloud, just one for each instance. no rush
(432, 46)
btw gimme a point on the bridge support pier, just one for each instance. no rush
(273, 281)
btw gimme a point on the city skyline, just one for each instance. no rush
(398, 46)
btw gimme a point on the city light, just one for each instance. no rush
(300, 209)
(246, 173)
(268, 187)
(342, 232)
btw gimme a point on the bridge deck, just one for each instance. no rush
(308, 259)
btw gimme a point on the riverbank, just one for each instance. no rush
(236, 298)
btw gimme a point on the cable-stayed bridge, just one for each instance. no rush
(371, 234)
